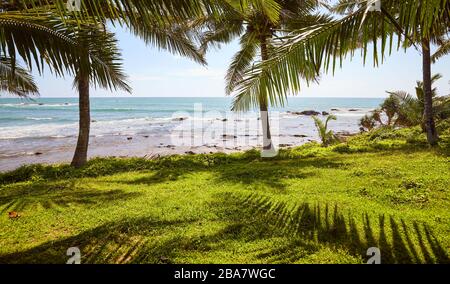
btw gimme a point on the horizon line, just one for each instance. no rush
(181, 97)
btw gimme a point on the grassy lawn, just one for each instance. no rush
(325, 207)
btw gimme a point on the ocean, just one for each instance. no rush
(135, 126)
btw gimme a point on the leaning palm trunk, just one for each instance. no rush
(430, 126)
(80, 156)
(268, 149)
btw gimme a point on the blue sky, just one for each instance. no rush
(156, 73)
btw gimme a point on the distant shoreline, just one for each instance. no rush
(46, 131)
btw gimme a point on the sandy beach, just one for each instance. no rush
(180, 135)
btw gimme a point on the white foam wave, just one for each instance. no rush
(39, 118)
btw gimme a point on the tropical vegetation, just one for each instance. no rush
(401, 109)
(257, 27)
(326, 135)
(324, 47)
(296, 208)
(322, 202)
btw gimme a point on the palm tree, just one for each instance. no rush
(16, 80)
(84, 48)
(103, 45)
(327, 136)
(256, 29)
(415, 22)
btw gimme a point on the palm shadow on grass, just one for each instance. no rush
(307, 224)
(57, 194)
(305, 228)
(269, 173)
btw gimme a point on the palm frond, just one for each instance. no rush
(443, 50)
(301, 54)
(241, 61)
(16, 80)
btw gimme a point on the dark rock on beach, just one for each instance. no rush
(180, 119)
(300, 135)
(226, 136)
(325, 113)
(38, 153)
(129, 138)
(285, 145)
(306, 112)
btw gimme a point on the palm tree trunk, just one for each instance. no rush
(432, 135)
(264, 108)
(80, 156)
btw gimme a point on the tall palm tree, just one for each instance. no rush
(16, 80)
(87, 47)
(256, 30)
(415, 22)
(103, 45)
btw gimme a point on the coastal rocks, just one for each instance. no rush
(180, 119)
(305, 112)
(353, 109)
(344, 135)
(227, 136)
(285, 145)
(324, 113)
(129, 138)
(300, 136)
(334, 109)
(38, 153)
(189, 153)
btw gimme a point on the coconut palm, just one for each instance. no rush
(256, 29)
(16, 80)
(103, 45)
(85, 49)
(326, 136)
(416, 23)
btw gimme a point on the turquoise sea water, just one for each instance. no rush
(48, 116)
(45, 130)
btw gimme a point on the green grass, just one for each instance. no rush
(309, 205)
